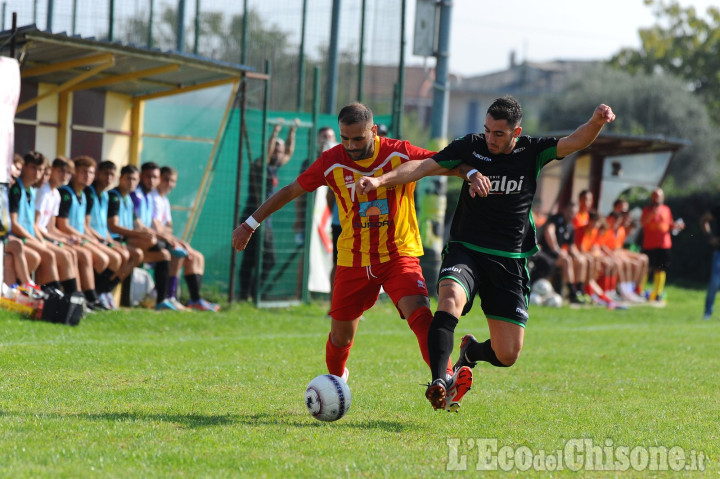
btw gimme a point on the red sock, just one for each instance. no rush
(419, 321)
(336, 357)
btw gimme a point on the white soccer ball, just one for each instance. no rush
(327, 397)
(554, 301)
(542, 287)
(536, 299)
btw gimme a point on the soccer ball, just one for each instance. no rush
(542, 287)
(536, 299)
(554, 301)
(327, 397)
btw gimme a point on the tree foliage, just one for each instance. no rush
(684, 44)
(644, 105)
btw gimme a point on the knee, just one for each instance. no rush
(508, 354)
(451, 300)
(341, 339)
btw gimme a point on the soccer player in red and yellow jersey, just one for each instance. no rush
(380, 240)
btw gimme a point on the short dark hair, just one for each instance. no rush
(507, 108)
(150, 165)
(34, 158)
(84, 161)
(168, 170)
(106, 165)
(61, 162)
(355, 113)
(128, 169)
(323, 129)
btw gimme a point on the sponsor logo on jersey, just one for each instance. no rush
(481, 157)
(501, 185)
(374, 208)
(451, 269)
(349, 180)
(522, 312)
(519, 150)
(370, 212)
(421, 285)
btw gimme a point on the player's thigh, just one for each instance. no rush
(457, 280)
(504, 287)
(354, 293)
(403, 281)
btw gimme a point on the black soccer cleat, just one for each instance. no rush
(436, 393)
(467, 341)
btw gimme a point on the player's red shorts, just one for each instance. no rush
(357, 287)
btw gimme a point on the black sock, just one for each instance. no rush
(90, 295)
(193, 283)
(113, 282)
(162, 276)
(440, 343)
(69, 286)
(54, 285)
(102, 281)
(484, 352)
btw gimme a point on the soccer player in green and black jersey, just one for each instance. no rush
(492, 233)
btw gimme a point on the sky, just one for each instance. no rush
(484, 32)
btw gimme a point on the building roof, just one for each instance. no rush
(76, 63)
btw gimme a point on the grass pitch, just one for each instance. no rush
(139, 394)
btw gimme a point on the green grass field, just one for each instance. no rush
(140, 394)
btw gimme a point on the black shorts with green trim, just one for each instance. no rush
(503, 284)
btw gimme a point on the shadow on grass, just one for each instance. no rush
(191, 421)
(196, 421)
(268, 419)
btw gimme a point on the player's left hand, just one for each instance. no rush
(366, 184)
(604, 113)
(241, 236)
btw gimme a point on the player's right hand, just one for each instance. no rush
(366, 184)
(241, 236)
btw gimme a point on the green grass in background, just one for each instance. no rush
(141, 394)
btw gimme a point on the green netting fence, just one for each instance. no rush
(182, 136)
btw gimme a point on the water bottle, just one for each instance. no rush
(678, 226)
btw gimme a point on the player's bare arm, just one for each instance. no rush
(415, 170)
(585, 133)
(479, 183)
(241, 235)
(405, 173)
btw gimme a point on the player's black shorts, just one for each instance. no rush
(502, 284)
(659, 259)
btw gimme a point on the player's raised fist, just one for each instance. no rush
(604, 113)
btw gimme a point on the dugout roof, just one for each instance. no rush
(75, 63)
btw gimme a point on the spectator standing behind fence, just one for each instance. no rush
(710, 225)
(657, 223)
(278, 155)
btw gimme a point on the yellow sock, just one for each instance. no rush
(658, 284)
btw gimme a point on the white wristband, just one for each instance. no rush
(471, 172)
(252, 222)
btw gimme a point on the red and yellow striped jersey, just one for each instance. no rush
(381, 225)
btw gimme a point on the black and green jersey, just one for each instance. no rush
(501, 223)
